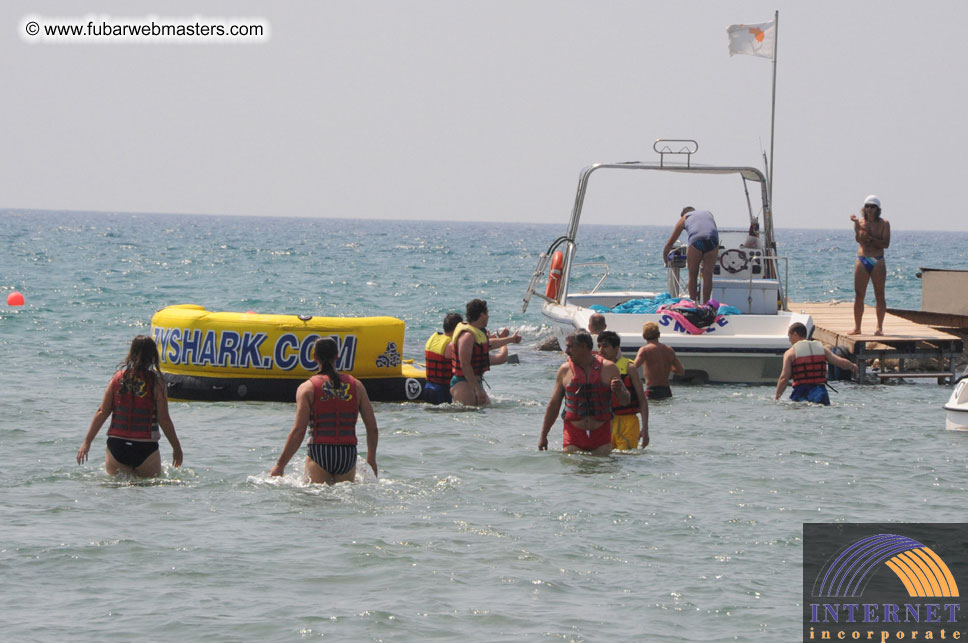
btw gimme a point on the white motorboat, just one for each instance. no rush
(956, 409)
(746, 347)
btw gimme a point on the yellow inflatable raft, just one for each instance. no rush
(251, 356)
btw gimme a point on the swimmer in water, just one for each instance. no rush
(330, 404)
(136, 400)
(586, 384)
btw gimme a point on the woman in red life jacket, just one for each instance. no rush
(136, 400)
(586, 384)
(329, 404)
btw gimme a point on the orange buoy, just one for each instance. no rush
(554, 275)
(15, 299)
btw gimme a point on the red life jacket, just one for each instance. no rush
(134, 416)
(333, 413)
(480, 358)
(587, 396)
(809, 363)
(439, 369)
(624, 364)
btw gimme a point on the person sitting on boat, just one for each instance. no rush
(873, 235)
(439, 368)
(702, 251)
(626, 431)
(136, 400)
(470, 351)
(330, 403)
(586, 384)
(806, 362)
(659, 361)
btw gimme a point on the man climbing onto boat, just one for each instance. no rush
(806, 362)
(438, 358)
(586, 383)
(626, 430)
(470, 351)
(703, 248)
(659, 361)
(873, 235)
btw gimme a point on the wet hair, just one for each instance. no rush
(450, 322)
(798, 329)
(580, 337)
(687, 209)
(650, 330)
(326, 351)
(609, 337)
(142, 358)
(475, 308)
(596, 323)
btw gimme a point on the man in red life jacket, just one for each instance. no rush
(806, 362)
(438, 358)
(626, 430)
(586, 384)
(470, 350)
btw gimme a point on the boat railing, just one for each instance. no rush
(675, 147)
(600, 264)
(539, 272)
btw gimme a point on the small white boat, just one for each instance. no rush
(750, 276)
(956, 410)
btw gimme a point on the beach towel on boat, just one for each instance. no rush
(652, 306)
(695, 319)
(699, 316)
(639, 306)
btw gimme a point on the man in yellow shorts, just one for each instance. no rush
(626, 433)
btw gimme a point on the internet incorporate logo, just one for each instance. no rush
(881, 582)
(922, 571)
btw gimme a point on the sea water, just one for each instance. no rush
(469, 532)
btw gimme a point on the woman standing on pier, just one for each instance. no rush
(873, 235)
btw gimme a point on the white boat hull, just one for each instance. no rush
(740, 349)
(956, 410)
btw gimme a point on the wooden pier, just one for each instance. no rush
(902, 340)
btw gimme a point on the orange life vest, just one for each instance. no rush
(439, 369)
(809, 363)
(134, 416)
(480, 358)
(585, 395)
(333, 413)
(624, 364)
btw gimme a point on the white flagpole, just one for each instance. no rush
(776, 37)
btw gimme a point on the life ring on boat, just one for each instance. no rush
(554, 275)
(734, 260)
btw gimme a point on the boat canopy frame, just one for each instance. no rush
(746, 173)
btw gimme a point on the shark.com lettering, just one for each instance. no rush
(233, 349)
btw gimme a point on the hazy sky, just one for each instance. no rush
(486, 110)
